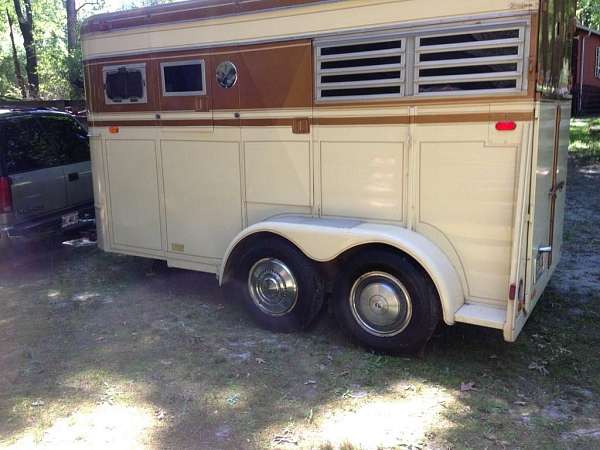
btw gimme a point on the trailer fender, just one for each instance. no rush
(325, 239)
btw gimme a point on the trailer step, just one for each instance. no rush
(484, 315)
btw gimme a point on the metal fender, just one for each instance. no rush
(324, 239)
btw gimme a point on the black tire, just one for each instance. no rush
(310, 285)
(416, 328)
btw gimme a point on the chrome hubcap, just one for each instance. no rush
(272, 287)
(380, 304)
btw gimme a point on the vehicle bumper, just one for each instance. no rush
(36, 229)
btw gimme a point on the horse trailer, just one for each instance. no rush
(403, 159)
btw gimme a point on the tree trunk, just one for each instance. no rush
(26, 26)
(71, 25)
(75, 77)
(18, 74)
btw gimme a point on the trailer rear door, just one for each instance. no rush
(550, 179)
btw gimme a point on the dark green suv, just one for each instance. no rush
(45, 174)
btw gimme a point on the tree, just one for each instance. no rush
(588, 13)
(49, 30)
(26, 26)
(71, 24)
(17, 63)
(74, 58)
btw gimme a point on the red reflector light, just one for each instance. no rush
(506, 125)
(5, 195)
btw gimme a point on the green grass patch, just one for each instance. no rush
(585, 139)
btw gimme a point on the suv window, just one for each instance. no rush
(26, 148)
(67, 136)
(40, 142)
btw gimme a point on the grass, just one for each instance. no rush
(585, 139)
(112, 351)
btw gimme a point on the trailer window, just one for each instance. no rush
(360, 68)
(183, 78)
(481, 61)
(125, 84)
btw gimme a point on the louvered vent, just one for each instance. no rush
(470, 62)
(360, 68)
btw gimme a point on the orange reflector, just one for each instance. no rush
(113, 130)
(506, 125)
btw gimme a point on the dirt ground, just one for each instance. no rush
(108, 351)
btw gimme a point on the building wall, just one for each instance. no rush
(586, 89)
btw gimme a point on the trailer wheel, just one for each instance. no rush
(279, 286)
(387, 302)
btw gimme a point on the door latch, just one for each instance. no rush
(556, 189)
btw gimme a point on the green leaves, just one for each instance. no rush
(60, 71)
(588, 13)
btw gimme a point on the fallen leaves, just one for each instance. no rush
(233, 399)
(540, 366)
(286, 437)
(467, 387)
(160, 414)
(309, 416)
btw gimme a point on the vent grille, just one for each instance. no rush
(479, 61)
(361, 68)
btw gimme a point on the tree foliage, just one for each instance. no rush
(588, 13)
(59, 68)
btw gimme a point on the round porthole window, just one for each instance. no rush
(227, 74)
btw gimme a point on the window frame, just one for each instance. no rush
(351, 39)
(141, 67)
(519, 75)
(411, 79)
(597, 66)
(202, 63)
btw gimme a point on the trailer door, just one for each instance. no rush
(550, 179)
(201, 165)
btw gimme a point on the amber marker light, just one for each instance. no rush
(113, 130)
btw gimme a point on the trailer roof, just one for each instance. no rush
(184, 11)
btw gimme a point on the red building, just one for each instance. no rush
(586, 72)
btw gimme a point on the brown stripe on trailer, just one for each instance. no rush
(324, 121)
(474, 117)
(381, 120)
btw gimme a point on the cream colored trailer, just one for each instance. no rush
(404, 158)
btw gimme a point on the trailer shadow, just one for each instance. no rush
(109, 350)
